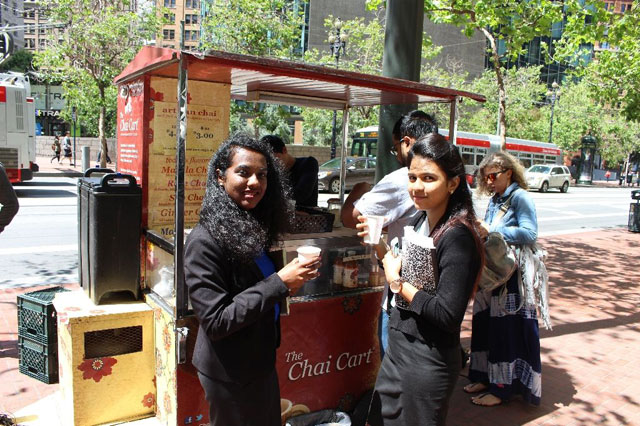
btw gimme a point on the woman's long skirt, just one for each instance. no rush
(505, 346)
(415, 383)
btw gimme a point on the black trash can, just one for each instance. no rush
(109, 220)
(634, 212)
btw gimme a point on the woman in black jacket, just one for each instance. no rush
(420, 369)
(234, 288)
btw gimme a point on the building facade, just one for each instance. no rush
(11, 15)
(188, 11)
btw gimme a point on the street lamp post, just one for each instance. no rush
(553, 95)
(337, 44)
(74, 118)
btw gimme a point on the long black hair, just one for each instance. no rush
(244, 234)
(459, 209)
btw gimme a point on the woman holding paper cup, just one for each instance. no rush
(420, 369)
(234, 288)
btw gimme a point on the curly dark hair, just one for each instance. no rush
(244, 234)
(460, 209)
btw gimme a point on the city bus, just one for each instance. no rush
(473, 148)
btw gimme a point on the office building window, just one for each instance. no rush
(193, 4)
(191, 35)
(31, 43)
(169, 34)
(170, 17)
(170, 3)
(190, 19)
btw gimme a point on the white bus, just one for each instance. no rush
(17, 128)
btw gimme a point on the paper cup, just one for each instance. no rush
(374, 224)
(306, 253)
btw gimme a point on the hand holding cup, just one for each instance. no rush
(301, 269)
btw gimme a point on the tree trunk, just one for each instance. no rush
(104, 150)
(502, 93)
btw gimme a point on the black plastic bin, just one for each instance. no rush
(109, 216)
(634, 212)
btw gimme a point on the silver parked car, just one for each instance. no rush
(545, 176)
(359, 169)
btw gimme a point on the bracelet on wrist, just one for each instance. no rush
(396, 285)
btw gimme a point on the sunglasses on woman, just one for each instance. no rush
(491, 177)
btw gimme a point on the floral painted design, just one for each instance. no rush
(149, 400)
(63, 318)
(72, 309)
(167, 404)
(97, 368)
(156, 96)
(351, 304)
(166, 338)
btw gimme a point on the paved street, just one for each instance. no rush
(40, 245)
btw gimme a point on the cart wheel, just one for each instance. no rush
(544, 187)
(334, 185)
(565, 187)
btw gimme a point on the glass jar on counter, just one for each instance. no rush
(350, 272)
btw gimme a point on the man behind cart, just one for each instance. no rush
(390, 196)
(303, 172)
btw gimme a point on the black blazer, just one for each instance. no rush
(235, 305)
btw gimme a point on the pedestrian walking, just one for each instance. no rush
(55, 146)
(423, 360)
(607, 175)
(66, 146)
(8, 200)
(234, 287)
(505, 339)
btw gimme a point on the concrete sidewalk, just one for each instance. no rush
(589, 373)
(50, 168)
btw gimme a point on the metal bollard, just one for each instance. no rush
(86, 161)
(634, 212)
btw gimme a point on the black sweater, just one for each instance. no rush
(436, 319)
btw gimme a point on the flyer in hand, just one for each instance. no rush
(419, 266)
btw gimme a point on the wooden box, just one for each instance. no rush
(106, 360)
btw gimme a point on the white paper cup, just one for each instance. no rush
(306, 253)
(374, 225)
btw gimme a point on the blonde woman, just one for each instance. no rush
(505, 340)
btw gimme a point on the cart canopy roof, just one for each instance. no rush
(270, 80)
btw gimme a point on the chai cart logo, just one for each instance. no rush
(301, 367)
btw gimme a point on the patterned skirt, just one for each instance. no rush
(505, 345)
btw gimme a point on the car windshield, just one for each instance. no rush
(539, 169)
(335, 163)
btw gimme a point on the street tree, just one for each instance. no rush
(614, 75)
(363, 53)
(254, 27)
(19, 61)
(99, 38)
(267, 28)
(508, 27)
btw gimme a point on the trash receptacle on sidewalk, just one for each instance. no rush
(109, 215)
(634, 212)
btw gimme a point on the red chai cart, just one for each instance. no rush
(173, 113)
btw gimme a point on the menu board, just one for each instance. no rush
(207, 127)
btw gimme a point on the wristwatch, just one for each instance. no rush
(396, 285)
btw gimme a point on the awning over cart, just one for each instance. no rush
(278, 81)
